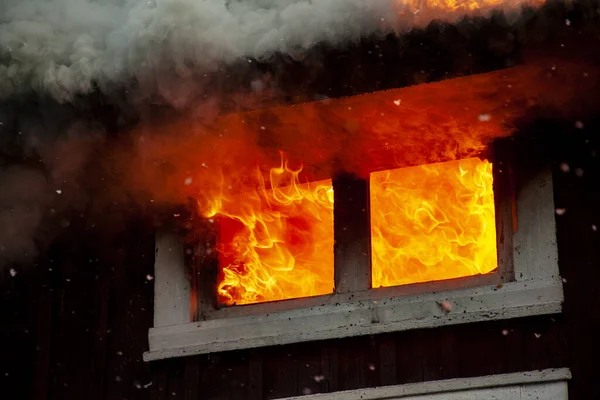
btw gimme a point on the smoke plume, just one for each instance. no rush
(68, 47)
(71, 47)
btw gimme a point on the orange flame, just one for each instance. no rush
(432, 222)
(275, 242)
(443, 9)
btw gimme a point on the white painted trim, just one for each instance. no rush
(535, 251)
(536, 291)
(549, 384)
(515, 299)
(171, 286)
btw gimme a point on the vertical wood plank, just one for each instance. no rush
(255, 376)
(351, 222)
(176, 382)
(206, 265)
(535, 240)
(387, 360)
(43, 335)
(504, 209)
(431, 360)
(330, 366)
(449, 352)
(512, 347)
(99, 339)
(159, 383)
(171, 285)
(309, 369)
(192, 378)
(409, 355)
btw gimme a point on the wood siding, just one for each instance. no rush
(76, 324)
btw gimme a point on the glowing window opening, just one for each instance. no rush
(277, 243)
(432, 222)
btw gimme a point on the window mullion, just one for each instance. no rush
(505, 208)
(351, 225)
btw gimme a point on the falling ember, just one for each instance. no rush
(276, 242)
(432, 222)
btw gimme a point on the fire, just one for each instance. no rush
(276, 242)
(437, 8)
(432, 222)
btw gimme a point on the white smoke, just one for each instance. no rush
(64, 47)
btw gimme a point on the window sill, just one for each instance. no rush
(546, 384)
(427, 310)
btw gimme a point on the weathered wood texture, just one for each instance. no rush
(565, 340)
(171, 286)
(81, 317)
(352, 241)
(74, 326)
(79, 328)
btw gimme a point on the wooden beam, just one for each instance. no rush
(504, 208)
(512, 300)
(351, 226)
(171, 285)
(548, 384)
(205, 262)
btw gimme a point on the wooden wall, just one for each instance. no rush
(416, 356)
(565, 340)
(75, 325)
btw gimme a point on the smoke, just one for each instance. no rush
(77, 76)
(70, 47)
(44, 150)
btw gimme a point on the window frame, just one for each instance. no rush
(528, 283)
(353, 260)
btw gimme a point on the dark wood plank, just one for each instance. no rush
(280, 372)
(176, 384)
(504, 206)
(99, 327)
(476, 356)
(449, 353)
(408, 351)
(192, 378)
(358, 362)
(43, 340)
(351, 221)
(512, 345)
(387, 359)
(255, 376)
(431, 360)
(310, 368)
(205, 262)
(330, 367)
(159, 382)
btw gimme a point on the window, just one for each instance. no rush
(432, 222)
(276, 243)
(486, 273)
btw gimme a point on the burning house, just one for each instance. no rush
(382, 214)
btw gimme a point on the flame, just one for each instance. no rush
(432, 222)
(276, 242)
(395, 128)
(443, 9)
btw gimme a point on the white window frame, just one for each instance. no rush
(549, 384)
(535, 290)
